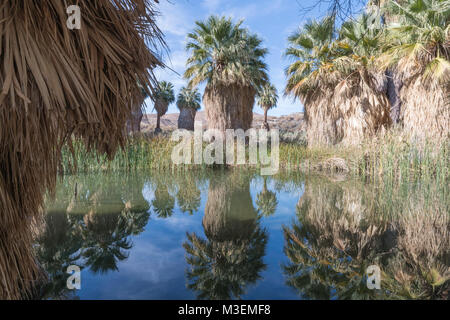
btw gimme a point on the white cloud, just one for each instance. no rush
(173, 19)
(212, 5)
(253, 9)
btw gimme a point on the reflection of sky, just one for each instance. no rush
(155, 268)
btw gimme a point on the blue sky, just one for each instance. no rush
(272, 20)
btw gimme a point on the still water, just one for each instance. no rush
(235, 234)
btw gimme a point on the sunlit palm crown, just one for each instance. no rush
(420, 38)
(164, 91)
(222, 52)
(309, 49)
(267, 96)
(189, 98)
(322, 56)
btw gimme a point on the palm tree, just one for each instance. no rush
(230, 60)
(188, 102)
(310, 52)
(417, 45)
(267, 99)
(335, 78)
(164, 96)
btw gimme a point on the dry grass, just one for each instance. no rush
(57, 83)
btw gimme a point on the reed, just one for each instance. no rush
(390, 157)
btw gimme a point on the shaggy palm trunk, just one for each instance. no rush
(229, 106)
(394, 85)
(186, 119)
(134, 124)
(57, 84)
(426, 111)
(320, 116)
(364, 109)
(349, 112)
(161, 108)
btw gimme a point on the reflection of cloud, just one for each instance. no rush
(150, 263)
(151, 272)
(178, 222)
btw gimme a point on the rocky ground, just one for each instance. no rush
(290, 123)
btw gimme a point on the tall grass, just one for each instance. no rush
(391, 158)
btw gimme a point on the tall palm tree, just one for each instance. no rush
(229, 59)
(335, 78)
(418, 46)
(267, 99)
(164, 96)
(188, 102)
(311, 55)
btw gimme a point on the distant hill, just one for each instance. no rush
(291, 123)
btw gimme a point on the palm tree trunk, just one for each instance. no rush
(394, 85)
(229, 107)
(186, 119)
(265, 124)
(158, 123)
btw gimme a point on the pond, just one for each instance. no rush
(234, 234)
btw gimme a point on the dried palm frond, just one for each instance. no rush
(58, 83)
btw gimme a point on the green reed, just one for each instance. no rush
(390, 158)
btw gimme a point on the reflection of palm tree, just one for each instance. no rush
(57, 248)
(340, 232)
(232, 256)
(106, 241)
(188, 196)
(103, 211)
(266, 201)
(163, 203)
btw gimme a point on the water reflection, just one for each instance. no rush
(220, 235)
(266, 200)
(90, 225)
(231, 258)
(163, 203)
(343, 227)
